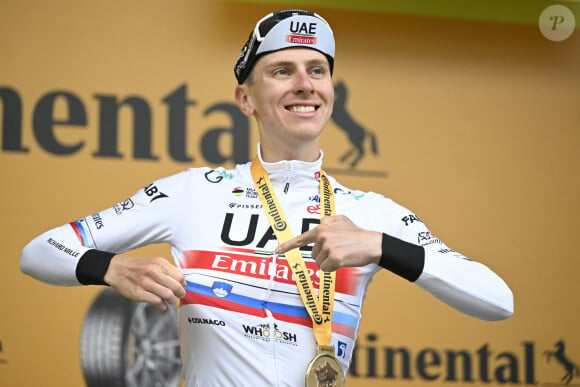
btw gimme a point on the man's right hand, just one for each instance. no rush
(151, 280)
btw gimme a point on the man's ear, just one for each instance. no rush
(244, 100)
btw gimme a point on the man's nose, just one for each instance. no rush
(303, 82)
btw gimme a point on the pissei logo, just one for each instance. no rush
(60, 111)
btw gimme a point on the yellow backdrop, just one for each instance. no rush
(477, 126)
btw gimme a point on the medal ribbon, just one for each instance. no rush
(319, 307)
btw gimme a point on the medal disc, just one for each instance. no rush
(325, 371)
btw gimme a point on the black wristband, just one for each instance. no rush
(402, 258)
(92, 267)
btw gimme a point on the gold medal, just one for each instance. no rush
(325, 369)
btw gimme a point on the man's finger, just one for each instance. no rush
(297, 241)
(174, 286)
(166, 269)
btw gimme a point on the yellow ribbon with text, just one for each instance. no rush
(319, 306)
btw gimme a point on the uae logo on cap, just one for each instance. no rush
(302, 33)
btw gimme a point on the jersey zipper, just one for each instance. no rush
(272, 326)
(288, 176)
(270, 317)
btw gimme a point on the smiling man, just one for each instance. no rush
(271, 284)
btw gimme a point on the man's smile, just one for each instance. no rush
(302, 108)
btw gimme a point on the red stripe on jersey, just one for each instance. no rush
(77, 231)
(259, 267)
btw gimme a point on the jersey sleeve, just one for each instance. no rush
(464, 284)
(144, 218)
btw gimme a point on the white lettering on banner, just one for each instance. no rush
(263, 267)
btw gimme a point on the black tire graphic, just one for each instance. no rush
(129, 344)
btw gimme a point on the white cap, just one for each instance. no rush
(285, 29)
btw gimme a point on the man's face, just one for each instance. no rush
(291, 95)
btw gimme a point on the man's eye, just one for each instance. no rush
(281, 72)
(317, 71)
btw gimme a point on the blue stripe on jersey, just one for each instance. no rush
(275, 307)
(83, 233)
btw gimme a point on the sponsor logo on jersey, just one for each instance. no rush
(231, 235)
(315, 209)
(425, 238)
(251, 193)
(341, 349)
(244, 206)
(206, 321)
(99, 224)
(248, 192)
(263, 332)
(314, 198)
(221, 289)
(63, 248)
(262, 267)
(154, 193)
(356, 195)
(123, 206)
(215, 176)
(410, 219)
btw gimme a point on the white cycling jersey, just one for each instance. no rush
(242, 322)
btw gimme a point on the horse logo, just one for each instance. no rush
(571, 369)
(357, 134)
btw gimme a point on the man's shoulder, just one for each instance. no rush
(344, 191)
(222, 174)
(208, 174)
(350, 200)
(199, 179)
(359, 200)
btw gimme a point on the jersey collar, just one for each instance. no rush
(294, 172)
